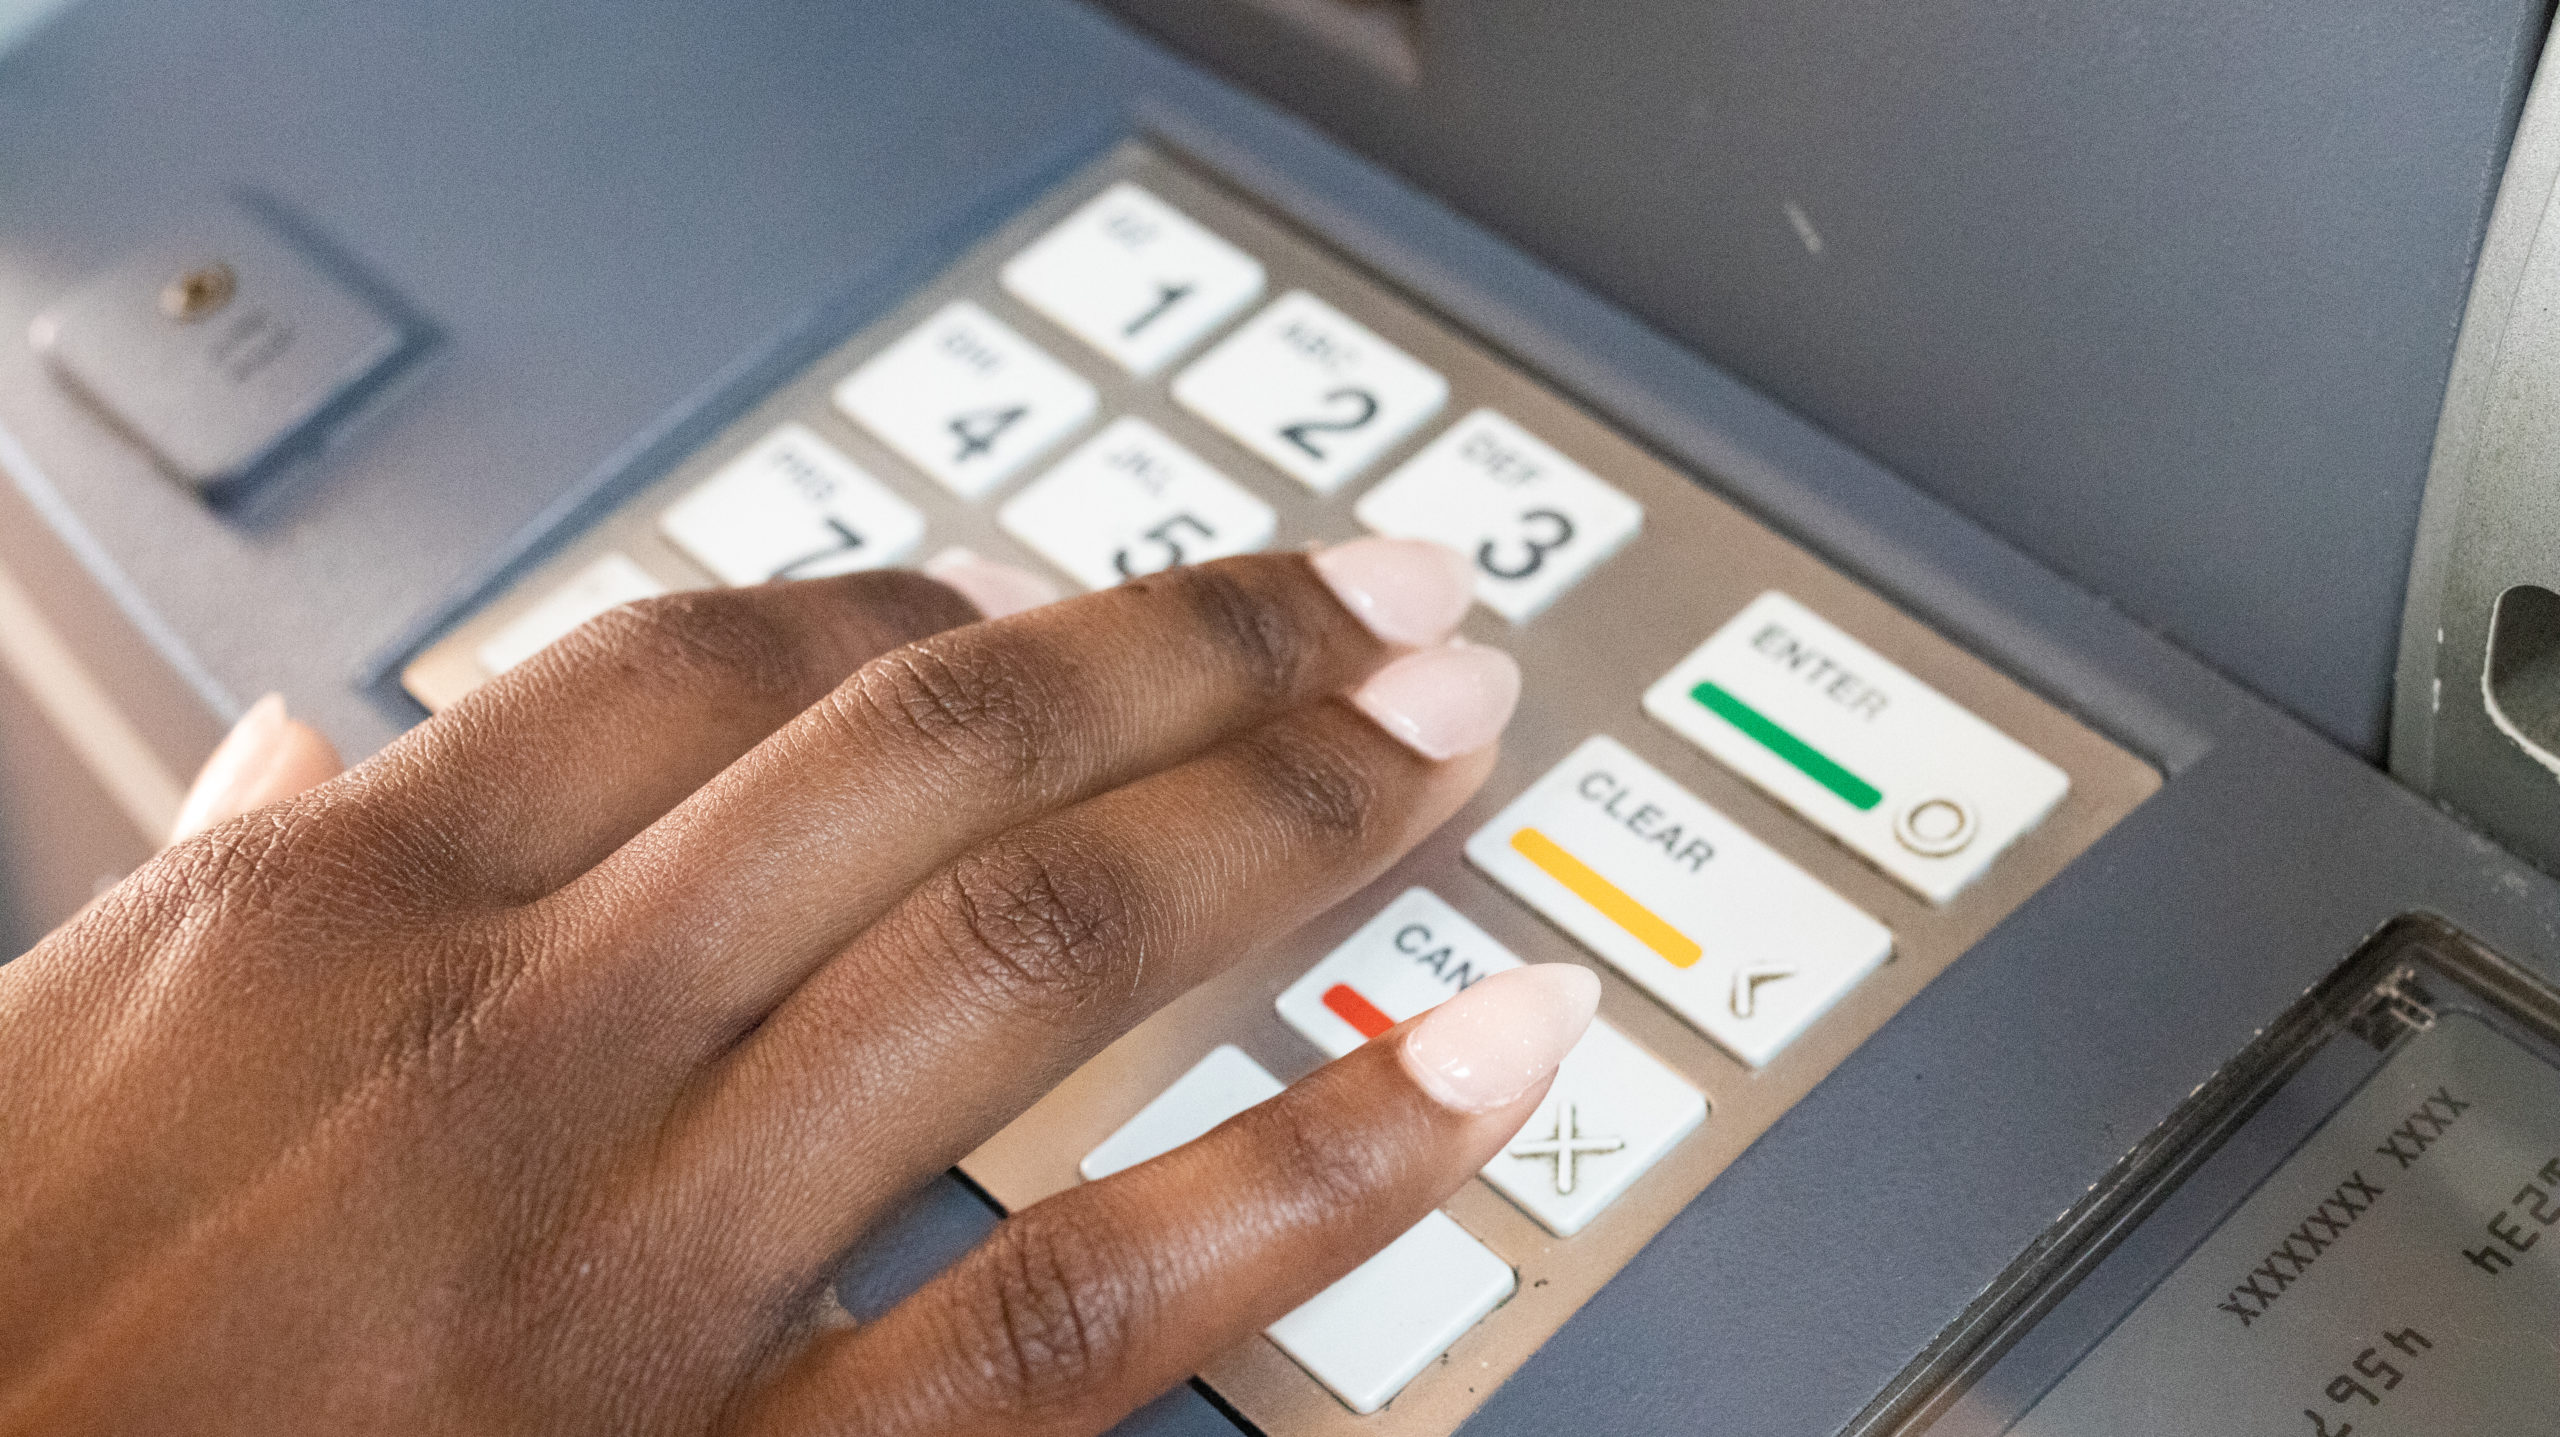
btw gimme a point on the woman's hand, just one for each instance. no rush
(537, 1074)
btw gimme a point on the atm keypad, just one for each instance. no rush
(1147, 370)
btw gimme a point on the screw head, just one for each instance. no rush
(199, 292)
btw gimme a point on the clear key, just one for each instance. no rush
(1744, 945)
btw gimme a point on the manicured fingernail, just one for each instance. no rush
(1446, 701)
(238, 762)
(1501, 1037)
(996, 589)
(1406, 591)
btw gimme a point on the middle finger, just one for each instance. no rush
(720, 909)
(1029, 954)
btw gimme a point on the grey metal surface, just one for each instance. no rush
(609, 208)
(2163, 293)
(2492, 521)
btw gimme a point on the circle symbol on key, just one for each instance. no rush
(1935, 827)
(1567, 1146)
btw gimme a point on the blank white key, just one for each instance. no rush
(1130, 501)
(607, 583)
(791, 507)
(1134, 277)
(1533, 521)
(966, 399)
(1310, 389)
(1611, 1114)
(1369, 1334)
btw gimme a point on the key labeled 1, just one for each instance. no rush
(1134, 277)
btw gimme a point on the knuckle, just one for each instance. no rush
(684, 640)
(1318, 786)
(1261, 634)
(1059, 1310)
(993, 709)
(1047, 919)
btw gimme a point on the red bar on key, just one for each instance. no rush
(1357, 1011)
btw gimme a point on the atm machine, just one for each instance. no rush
(2029, 530)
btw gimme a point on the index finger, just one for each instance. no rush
(1086, 1305)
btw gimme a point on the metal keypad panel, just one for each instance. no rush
(1764, 805)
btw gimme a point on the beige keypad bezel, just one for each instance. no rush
(1588, 658)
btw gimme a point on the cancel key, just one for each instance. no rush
(1744, 945)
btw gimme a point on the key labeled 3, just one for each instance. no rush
(1312, 390)
(1129, 502)
(791, 507)
(1879, 760)
(1746, 947)
(966, 399)
(1533, 521)
(1134, 277)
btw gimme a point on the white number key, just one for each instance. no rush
(1131, 501)
(1134, 277)
(966, 400)
(1534, 521)
(1308, 388)
(791, 507)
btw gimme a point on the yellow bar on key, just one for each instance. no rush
(1676, 947)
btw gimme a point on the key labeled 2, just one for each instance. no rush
(1312, 390)
(1130, 502)
(791, 507)
(1134, 277)
(966, 399)
(1533, 521)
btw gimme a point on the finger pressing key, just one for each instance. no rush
(1084, 1306)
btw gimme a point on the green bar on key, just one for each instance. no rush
(1861, 794)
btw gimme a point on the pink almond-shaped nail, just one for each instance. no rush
(996, 589)
(1406, 591)
(1501, 1037)
(1443, 702)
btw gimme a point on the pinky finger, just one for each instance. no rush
(267, 757)
(1084, 1306)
